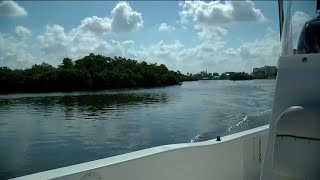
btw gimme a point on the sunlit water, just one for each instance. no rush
(45, 131)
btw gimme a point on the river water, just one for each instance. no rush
(39, 132)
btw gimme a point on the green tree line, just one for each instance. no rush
(92, 72)
(240, 76)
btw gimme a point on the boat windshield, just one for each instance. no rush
(301, 30)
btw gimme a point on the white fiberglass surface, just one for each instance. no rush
(297, 85)
(238, 156)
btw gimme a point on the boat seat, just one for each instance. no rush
(299, 122)
(296, 152)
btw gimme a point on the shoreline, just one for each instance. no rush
(91, 90)
(112, 89)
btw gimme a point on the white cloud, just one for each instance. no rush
(217, 12)
(166, 28)
(245, 11)
(14, 53)
(11, 8)
(56, 44)
(209, 17)
(22, 32)
(96, 24)
(129, 43)
(164, 53)
(210, 55)
(260, 52)
(55, 40)
(215, 56)
(210, 32)
(124, 19)
(200, 57)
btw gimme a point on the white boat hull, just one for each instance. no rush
(237, 156)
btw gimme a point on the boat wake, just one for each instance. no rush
(247, 122)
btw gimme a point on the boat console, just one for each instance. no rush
(294, 138)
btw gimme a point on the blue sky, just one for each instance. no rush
(188, 36)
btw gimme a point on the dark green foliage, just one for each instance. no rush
(266, 72)
(240, 76)
(224, 76)
(215, 74)
(189, 77)
(66, 63)
(92, 72)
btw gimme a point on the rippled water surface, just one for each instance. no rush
(45, 131)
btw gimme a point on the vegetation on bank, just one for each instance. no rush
(92, 72)
(97, 72)
(240, 76)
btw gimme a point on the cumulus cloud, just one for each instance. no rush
(215, 56)
(96, 24)
(200, 57)
(11, 8)
(209, 17)
(57, 44)
(211, 55)
(217, 12)
(164, 27)
(14, 52)
(22, 32)
(123, 19)
(210, 32)
(55, 40)
(76, 47)
(164, 53)
(259, 52)
(262, 51)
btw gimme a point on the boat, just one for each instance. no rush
(288, 148)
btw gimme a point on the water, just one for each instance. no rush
(39, 132)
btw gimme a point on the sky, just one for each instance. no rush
(190, 36)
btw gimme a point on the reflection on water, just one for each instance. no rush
(45, 131)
